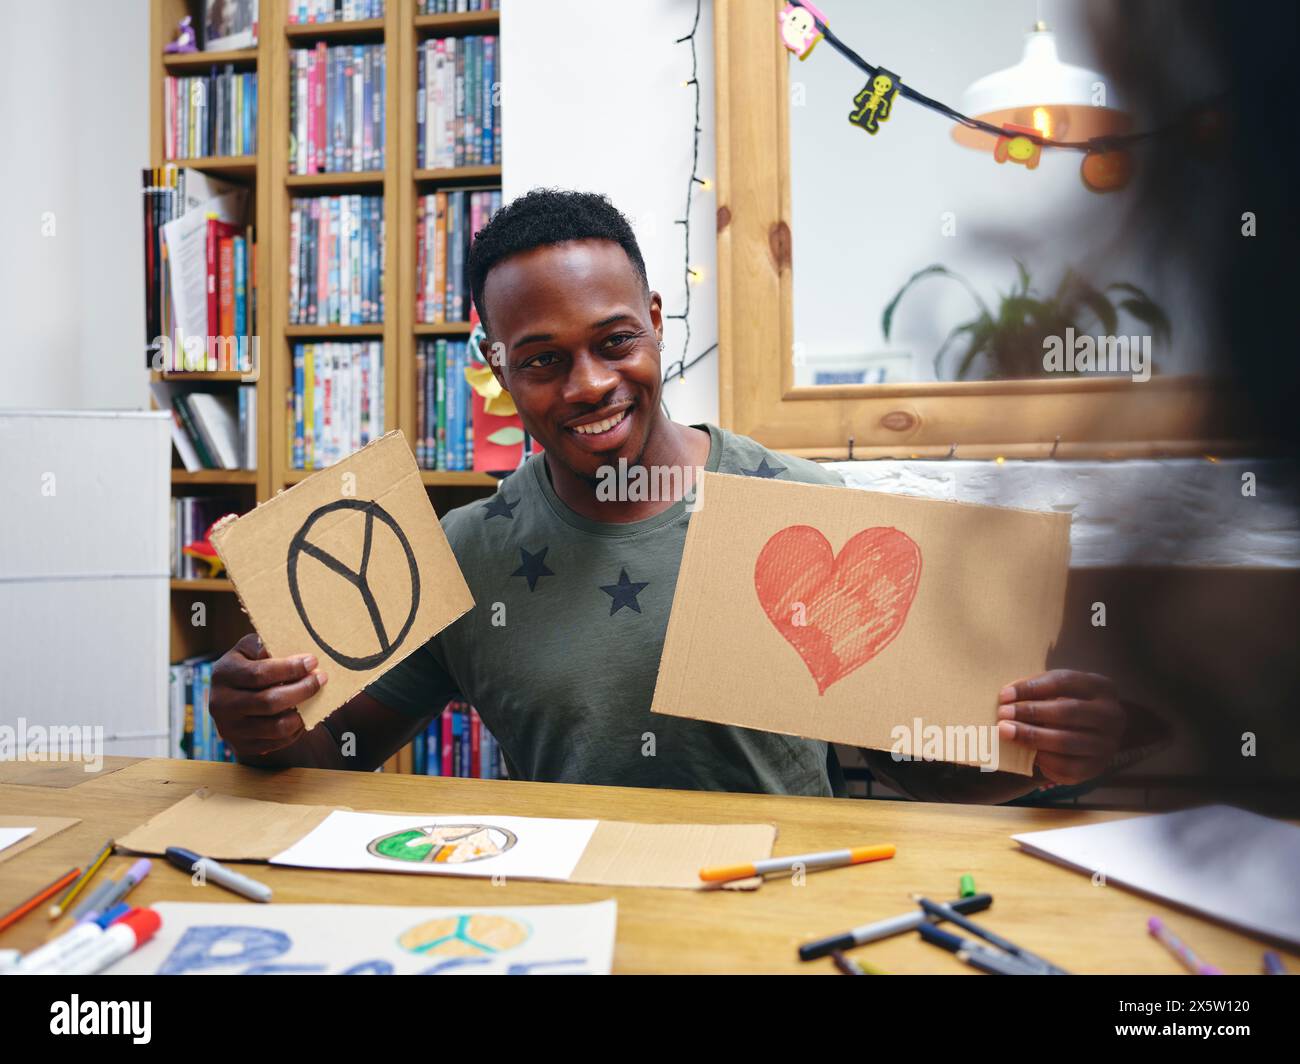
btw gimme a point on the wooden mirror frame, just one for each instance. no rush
(757, 396)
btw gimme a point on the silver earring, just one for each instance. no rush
(661, 345)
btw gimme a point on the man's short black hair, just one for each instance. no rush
(547, 216)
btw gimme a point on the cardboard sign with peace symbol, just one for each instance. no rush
(350, 565)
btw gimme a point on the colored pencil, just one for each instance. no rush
(61, 907)
(1179, 948)
(14, 915)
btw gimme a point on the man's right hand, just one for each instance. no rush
(254, 696)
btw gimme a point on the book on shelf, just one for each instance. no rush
(445, 223)
(210, 114)
(458, 102)
(450, 7)
(193, 735)
(337, 401)
(191, 517)
(444, 432)
(200, 260)
(334, 10)
(336, 260)
(211, 430)
(336, 108)
(456, 743)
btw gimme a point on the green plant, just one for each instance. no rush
(1012, 340)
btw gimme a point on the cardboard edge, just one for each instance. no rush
(142, 838)
(286, 493)
(1055, 515)
(42, 832)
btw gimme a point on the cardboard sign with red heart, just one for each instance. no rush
(855, 616)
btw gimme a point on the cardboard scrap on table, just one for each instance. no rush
(860, 617)
(43, 827)
(617, 853)
(350, 565)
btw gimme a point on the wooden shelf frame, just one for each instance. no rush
(342, 181)
(215, 476)
(457, 24)
(357, 31)
(231, 167)
(461, 176)
(190, 63)
(204, 583)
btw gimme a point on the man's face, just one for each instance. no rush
(580, 351)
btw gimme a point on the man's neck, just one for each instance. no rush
(663, 475)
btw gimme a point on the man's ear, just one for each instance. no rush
(494, 354)
(657, 314)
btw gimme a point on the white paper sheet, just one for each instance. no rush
(233, 939)
(9, 836)
(187, 258)
(461, 844)
(1224, 863)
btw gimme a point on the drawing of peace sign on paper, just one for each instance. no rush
(359, 649)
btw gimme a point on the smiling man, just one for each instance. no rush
(573, 588)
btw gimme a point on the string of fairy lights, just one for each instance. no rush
(1107, 143)
(690, 274)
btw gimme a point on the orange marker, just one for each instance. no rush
(829, 859)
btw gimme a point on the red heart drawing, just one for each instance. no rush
(838, 613)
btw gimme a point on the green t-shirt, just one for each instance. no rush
(560, 653)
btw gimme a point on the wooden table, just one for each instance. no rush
(1051, 910)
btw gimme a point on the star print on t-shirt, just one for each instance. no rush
(624, 593)
(499, 506)
(765, 471)
(533, 568)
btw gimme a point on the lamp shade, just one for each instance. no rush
(1042, 93)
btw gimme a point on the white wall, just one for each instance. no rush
(74, 120)
(600, 107)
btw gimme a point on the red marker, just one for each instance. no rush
(107, 948)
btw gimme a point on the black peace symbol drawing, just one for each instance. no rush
(301, 545)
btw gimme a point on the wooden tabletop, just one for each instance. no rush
(1055, 912)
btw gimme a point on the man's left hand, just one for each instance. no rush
(1073, 719)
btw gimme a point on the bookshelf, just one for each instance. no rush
(272, 190)
(212, 601)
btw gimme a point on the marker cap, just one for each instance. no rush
(183, 859)
(143, 923)
(110, 916)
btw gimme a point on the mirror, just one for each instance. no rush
(1018, 270)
